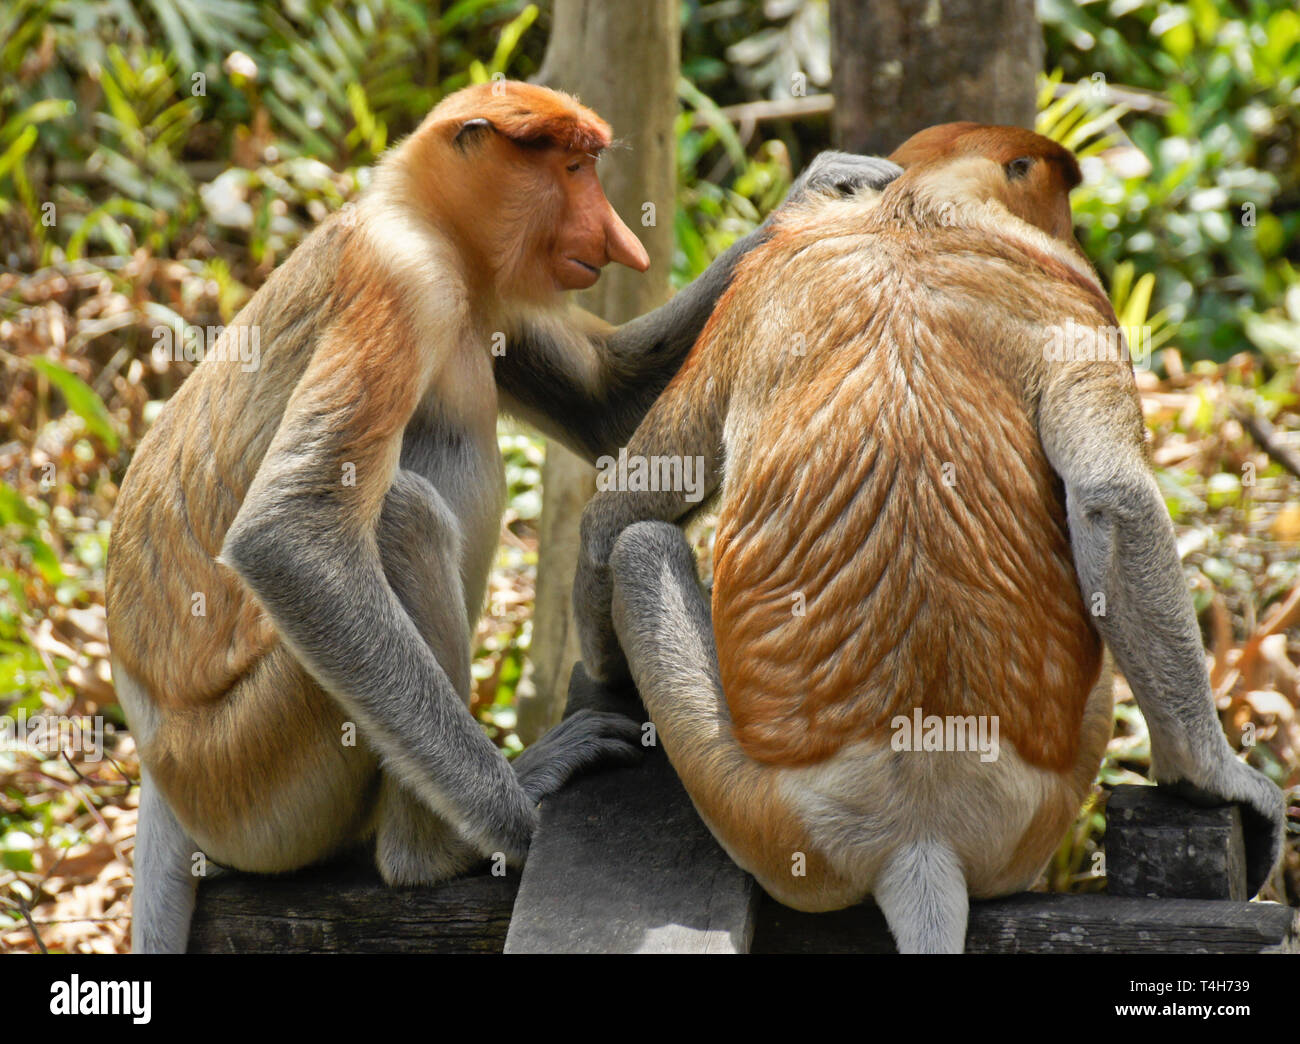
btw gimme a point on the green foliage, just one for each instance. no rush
(1215, 219)
(107, 143)
(338, 75)
(81, 399)
(711, 214)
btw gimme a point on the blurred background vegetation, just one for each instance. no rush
(159, 158)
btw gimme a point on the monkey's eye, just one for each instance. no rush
(573, 168)
(1018, 168)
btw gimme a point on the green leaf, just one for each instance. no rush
(81, 399)
(15, 152)
(14, 507)
(509, 38)
(43, 557)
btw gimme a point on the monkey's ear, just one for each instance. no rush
(471, 131)
(1018, 168)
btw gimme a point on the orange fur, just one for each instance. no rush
(1042, 198)
(961, 598)
(186, 482)
(531, 207)
(536, 117)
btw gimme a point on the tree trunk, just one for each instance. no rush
(622, 59)
(899, 66)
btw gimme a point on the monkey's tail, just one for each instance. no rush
(922, 891)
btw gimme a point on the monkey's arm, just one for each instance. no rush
(1090, 423)
(305, 541)
(588, 384)
(686, 422)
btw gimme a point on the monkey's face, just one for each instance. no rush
(511, 173)
(587, 233)
(1037, 193)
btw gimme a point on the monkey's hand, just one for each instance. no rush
(587, 739)
(842, 173)
(1263, 809)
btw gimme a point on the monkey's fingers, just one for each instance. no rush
(587, 740)
(844, 173)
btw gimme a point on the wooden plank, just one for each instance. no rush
(1043, 923)
(623, 864)
(1161, 846)
(345, 908)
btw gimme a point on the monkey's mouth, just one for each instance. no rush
(578, 275)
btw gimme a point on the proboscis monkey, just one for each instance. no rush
(301, 549)
(929, 511)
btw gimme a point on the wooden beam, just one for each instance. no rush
(1159, 846)
(623, 864)
(340, 909)
(1043, 923)
(346, 908)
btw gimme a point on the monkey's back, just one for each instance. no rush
(186, 482)
(892, 536)
(222, 712)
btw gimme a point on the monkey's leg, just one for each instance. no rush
(661, 617)
(662, 620)
(413, 844)
(162, 897)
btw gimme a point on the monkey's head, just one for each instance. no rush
(511, 167)
(1029, 174)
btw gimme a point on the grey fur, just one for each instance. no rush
(1124, 548)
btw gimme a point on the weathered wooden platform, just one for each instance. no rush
(623, 864)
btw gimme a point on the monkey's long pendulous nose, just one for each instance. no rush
(622, 245)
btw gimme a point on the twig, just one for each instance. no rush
(749, 113)
(1266, 435)
(31, 925)
(746, 114)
